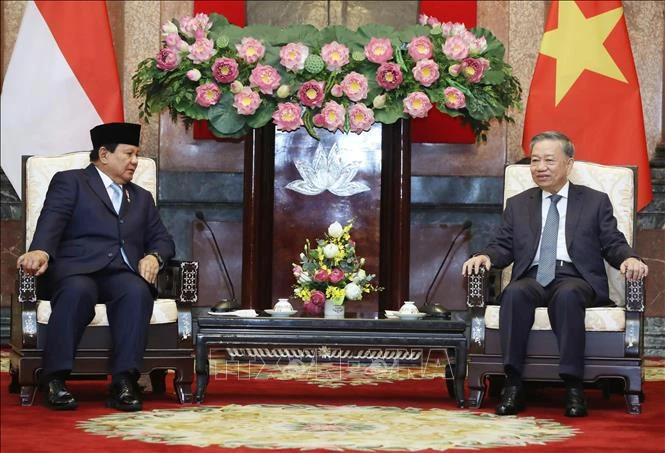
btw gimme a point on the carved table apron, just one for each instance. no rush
(261, 331)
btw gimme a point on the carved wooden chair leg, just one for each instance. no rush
(14, 386)
(158, 381)
(183, 386)
(28, 394)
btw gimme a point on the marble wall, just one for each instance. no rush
(207, 174)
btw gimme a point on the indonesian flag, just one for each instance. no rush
(585, 86)
(62, 80)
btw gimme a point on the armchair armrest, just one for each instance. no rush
(179, 280)
(634, 312)
(477, 298)
(24, 311)
(477, 294)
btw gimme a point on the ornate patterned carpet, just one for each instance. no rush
(297, 406)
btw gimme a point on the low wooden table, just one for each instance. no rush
(228, 331)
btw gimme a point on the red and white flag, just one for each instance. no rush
(62, 80)
(585, 85)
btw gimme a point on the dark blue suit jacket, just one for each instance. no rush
(82, 233)
(591, 236)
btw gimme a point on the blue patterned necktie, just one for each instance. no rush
(547, 262)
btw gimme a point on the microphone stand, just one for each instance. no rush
(225, 304)
(438, 310)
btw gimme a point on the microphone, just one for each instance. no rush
(224, 304)
(438, 310)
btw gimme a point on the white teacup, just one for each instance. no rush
(283, 305)
(409, 308)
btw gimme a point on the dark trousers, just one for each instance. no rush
(129, 305)
(566, 299)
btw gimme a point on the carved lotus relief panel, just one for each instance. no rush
(327, 171)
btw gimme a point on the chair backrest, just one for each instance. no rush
(618, 182)
(39, 170)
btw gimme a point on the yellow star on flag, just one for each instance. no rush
(577, 44)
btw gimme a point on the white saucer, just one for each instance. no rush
(281, 314)
(410, 316)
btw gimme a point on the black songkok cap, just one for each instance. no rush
(125, 133)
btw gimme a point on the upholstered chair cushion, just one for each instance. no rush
(164, 312)
(597, 319)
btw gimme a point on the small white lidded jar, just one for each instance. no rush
(283, 305)
(409, 308)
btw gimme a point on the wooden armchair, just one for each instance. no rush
(613, 334)
(170, 337)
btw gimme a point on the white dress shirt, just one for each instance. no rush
(562, 207)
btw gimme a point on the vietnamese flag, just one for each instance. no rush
(62, 80)
(585, 85)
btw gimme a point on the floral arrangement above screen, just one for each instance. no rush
(337, 79)
(331, 270)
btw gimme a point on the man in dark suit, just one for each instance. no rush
(556, 235)
(99, 237)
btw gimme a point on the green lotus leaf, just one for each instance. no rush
(263, 114)
(224, 117)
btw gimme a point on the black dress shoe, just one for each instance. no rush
(125, 396)
(512, 400)
(575, 403)
(59, 398)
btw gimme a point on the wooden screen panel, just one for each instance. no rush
(297, 216)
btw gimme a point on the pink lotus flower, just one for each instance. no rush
(287, 118)
(247, 101)
(389, 76)
(337, 275)
(236, 87)
(169, 28)
(331, 116)
(293, 55)
(167, 59)
(449, 29)
(379, 50)
(207, 94)
(194, 75)
(265, 77)
(321, 275)
(454, 69)
(311, 93)
(420, 48)
(225, 70)
(424, 19)
(354, 85)
(426, 72)
(312, 309)
(336, 90)
(335, 55)
(318, 298)
(456, 48)
(473, 69)
(454, 98)
(173, 41)
(361, 119)
(201, 51)
(250, 50)
(417, 104)
(200, 22)
(478, 46)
